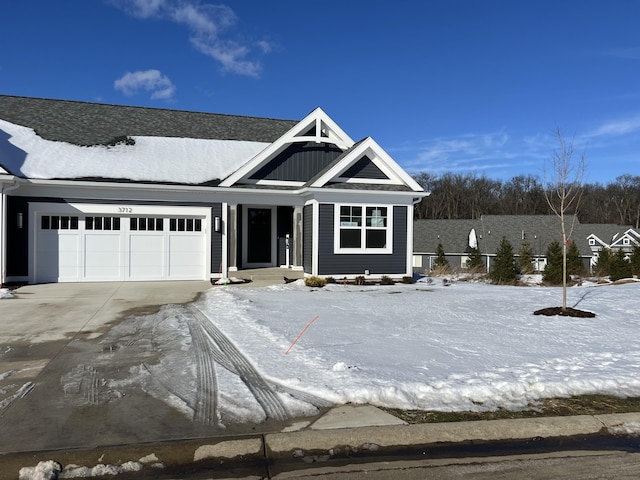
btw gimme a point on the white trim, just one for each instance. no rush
(315, 237)
(410, 212)
(380, 158)
(123, 211)
(225, 240)
(281, 183)
(318, 117)
(363, 230)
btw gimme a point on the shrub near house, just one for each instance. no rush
(504, 268)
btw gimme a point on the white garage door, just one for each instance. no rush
(85, 247)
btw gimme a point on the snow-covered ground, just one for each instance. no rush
(467, 346)
(5, 293)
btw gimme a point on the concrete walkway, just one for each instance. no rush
(40, 333)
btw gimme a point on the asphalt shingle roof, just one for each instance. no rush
(83, 123)
(538, 230)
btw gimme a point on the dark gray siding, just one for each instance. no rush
(216, 240)
(307, 238)
(17, 238)
(344, 264)
(364, 168)
(299, 162)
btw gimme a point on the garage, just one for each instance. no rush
(96, 243)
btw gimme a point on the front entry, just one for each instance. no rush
(259, 237)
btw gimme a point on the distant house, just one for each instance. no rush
(538, 231)
(94, 192)
(613, 237)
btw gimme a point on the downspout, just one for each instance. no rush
(4, 188)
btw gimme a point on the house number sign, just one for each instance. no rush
(125, 210)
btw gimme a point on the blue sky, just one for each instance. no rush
(463, 86)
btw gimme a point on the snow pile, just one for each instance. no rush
(49, 470)
(631, 429)
(5, 293)
(157, 159)
(52, 470)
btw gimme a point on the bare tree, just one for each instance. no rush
(563, 191)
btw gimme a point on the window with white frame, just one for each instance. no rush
(592, 241)
(363, 229)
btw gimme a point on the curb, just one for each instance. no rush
(257, 451)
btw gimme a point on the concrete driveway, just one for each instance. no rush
(49, 329)
(62, 311)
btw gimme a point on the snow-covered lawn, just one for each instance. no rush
(468, 346)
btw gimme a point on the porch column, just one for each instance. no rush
(296, 260)
(3, 238)
(232, 239)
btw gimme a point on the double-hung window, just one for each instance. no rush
(363, 229)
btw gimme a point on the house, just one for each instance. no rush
(613, 237)
(456, 236)
(95, 192)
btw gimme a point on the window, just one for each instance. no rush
(57, 222)
(102, 223)
(185, 224)
(146, 224)
(592, 241)
(363, 229)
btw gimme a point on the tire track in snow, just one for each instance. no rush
(206, 402)
(264, 394)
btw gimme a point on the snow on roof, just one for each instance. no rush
(151, 159)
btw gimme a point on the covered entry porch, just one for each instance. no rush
(264, 237)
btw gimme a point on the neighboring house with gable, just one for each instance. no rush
(613, 237)
(95, 192)
(454, 236)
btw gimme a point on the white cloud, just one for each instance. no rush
(152, 81)
(140, 8)
(616, 128)
(208, 27)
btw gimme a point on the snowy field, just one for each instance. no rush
(468, 346)
(231, 357)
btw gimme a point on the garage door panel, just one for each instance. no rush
(58, 257)
(186, 256)
(146, 257)
(85, 243)
(103, 256)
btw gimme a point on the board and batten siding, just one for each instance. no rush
(216, 239)
(299, 162)
(307, 238)
(330, 263)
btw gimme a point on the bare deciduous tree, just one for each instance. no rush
(563, 177)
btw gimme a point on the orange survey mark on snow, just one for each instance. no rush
(301, 333)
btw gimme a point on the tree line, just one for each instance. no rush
(469, 196)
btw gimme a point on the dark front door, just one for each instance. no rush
(259, 236)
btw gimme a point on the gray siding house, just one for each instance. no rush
(94, 192)
(612, 237)
(454, 236)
